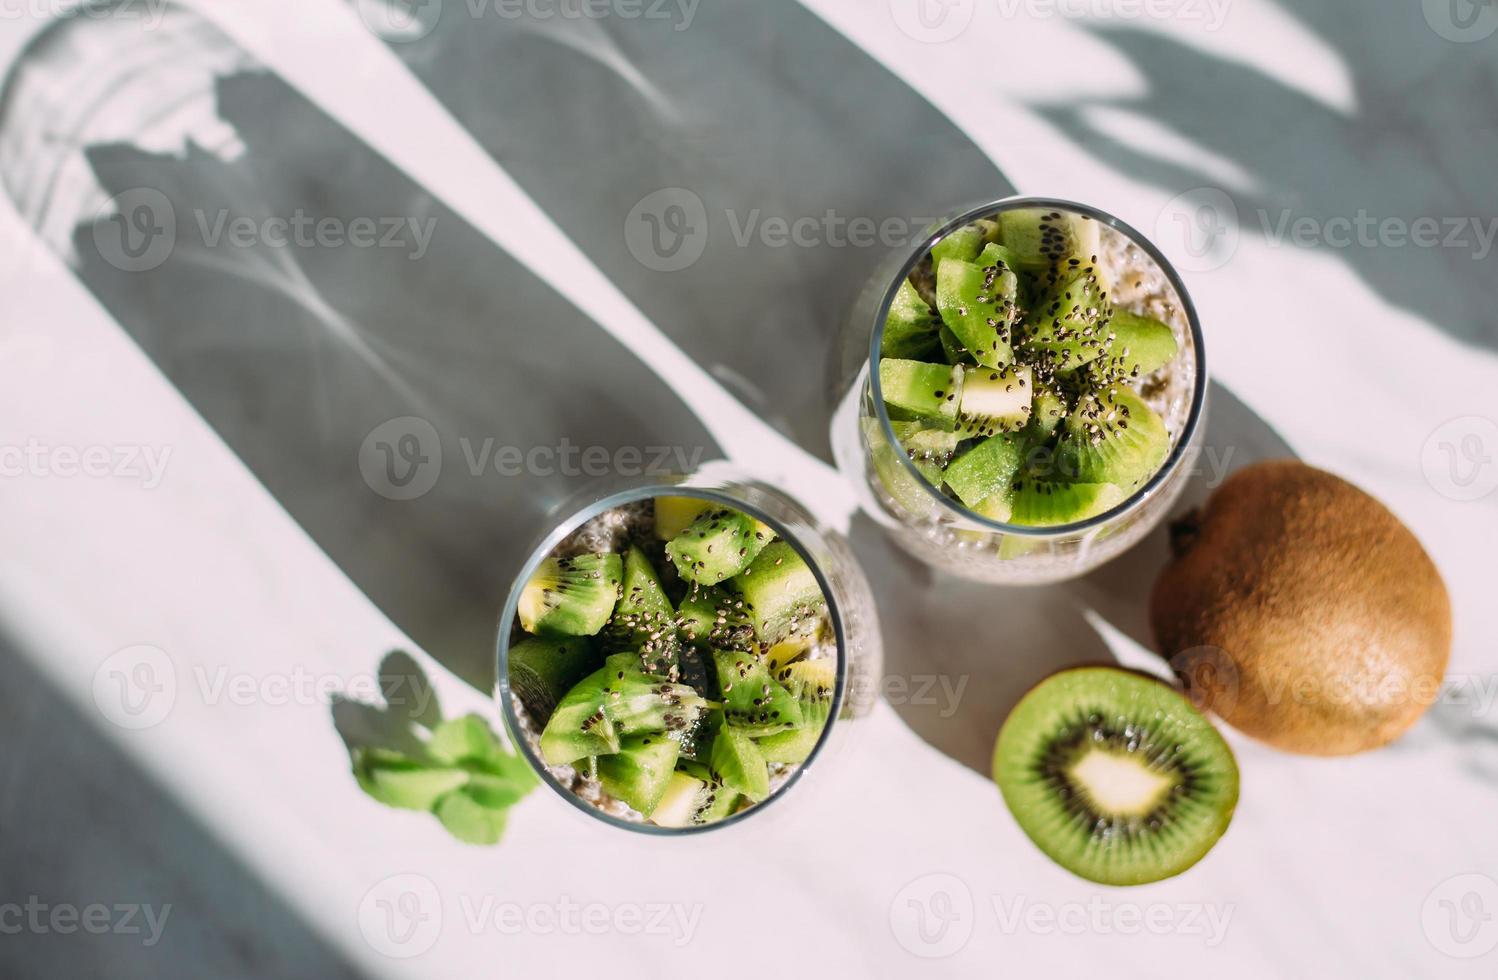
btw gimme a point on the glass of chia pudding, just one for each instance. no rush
(673, 655)
(1021, 391)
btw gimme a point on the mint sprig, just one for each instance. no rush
(465, 776)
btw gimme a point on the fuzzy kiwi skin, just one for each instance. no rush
(1335, 623)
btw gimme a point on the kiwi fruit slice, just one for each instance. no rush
(1115, 775)
(916, 390)
(1303, 612)
(571, 596)
(962, 244)
(987, 469)
(782, 594)
(736, 761)
(1046, 503)
(674, 515)
(1070, 326)
(910, 329)
(719, 544)
(812, 683)
(978, 305)
(1040, 239)
(994, 400)
(543, 669)
(1112, 437)
(578, 729)
(753, 701)
(1141, 345)
(714, 617)
(643, 619)
(640, 772)
(921, 443)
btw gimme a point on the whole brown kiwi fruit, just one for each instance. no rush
(1303, 612)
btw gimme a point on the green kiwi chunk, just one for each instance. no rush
(1045, 503)
(910, 329)
(916, 390)
(739, 765)
(1070, 325)
(572, 596)
(790, 748)
(962, 244)
(1112, 437)
(712, 616)
(1039, 239)
(643, 618)
(543, 669)
(994, 400)
(674, 515)
(781, 592)
(919, 442)
(1115, 775)
(986, 469)
(640, 771)
(977, 303)
(1141, 345)
(718, 545)
(615, 701)
(753, 701)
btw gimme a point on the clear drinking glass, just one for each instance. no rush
(850, 610)
(939, 529)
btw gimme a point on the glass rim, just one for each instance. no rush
(1198, 387)
(559, 532)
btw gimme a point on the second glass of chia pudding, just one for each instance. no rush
(1027, 383)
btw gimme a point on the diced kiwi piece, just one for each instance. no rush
(1141, 345)
(986, 469)
(753, 701)
(680, 802)
(783, 595)
(916, 390)
(787, 651)
(978, 305)
(994, 400)
(921, 442)
(910, 329)
(643, 619)
(1115, 775)
(640, 771)
(1112, 437)
(813, 683)
(739, 764)
(711, 616)
(1047, 410)
(962, 244)
(1042, 503)
(790, 748)
(1038, 238)
(578, 729)
(571, 596)
(718, 545)
(674, 515)
(1069, 326)
(639, 702)
(998, 506)
(543, 669)
(715, 801)
(952, 349)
